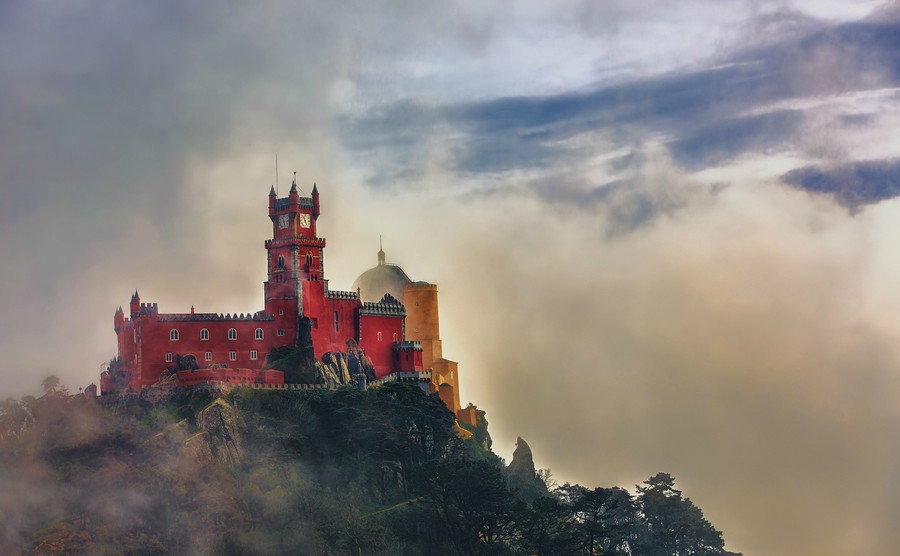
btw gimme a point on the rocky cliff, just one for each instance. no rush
(522, 475)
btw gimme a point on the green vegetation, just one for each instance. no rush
(380, 471)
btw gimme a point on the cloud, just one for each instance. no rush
(728, 342)
(751, 102)
(626, 282)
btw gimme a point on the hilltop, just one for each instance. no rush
(380, 471)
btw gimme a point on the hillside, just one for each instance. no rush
(380, 471)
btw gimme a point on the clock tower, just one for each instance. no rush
(294, 254)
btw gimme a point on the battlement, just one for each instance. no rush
(407, 346)
(337, 294)
(205, 317)
(422, 378)
(302, 202)
(383, 309)
(148, 309)
(312, 241)
(421, 286)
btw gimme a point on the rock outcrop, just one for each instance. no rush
(223, 426)
(218, 437)
(338, 369)
(522, 464)
(521, 475)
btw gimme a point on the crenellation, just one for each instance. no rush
(407, 345)
(338, 294)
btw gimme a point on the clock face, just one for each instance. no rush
(304, 221)
(284, 221)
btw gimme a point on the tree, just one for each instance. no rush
(549, 527)
(609, 521)
(474, 510)
(13, 416)
(50, 384)
(675, 526)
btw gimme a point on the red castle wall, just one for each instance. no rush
(380, 348)
(295, 285)
(230, 375)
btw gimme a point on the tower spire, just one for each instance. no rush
(380, 251)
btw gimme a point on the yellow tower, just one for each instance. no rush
(423, 325)
(422, 322)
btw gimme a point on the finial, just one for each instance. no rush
(380, 251)
(315, 190)
(294, 184)
(272, 191)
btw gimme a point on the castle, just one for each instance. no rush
(390, 321)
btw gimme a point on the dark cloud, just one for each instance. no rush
(852, 185)
(722, 141)
(708, 116)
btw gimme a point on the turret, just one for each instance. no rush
(315, 199)
(272, 198)
(294, 196)
(135, 304)
(119, 319)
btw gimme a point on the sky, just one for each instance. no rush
(664, 232)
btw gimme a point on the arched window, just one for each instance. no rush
(309, 259)
(395, 336)
(280, 261)
(173, 334)
(232, 334)
(259, 333)
(379, 336)
(204, 334)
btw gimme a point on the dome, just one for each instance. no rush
(384, 278)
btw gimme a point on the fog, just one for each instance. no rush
(624, 278)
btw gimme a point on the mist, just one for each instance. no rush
(625, 279)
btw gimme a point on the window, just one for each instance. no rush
(208, 356)
(173, 334)
(259, 333)
(253, 355)
(232, 355)
(281, 262)
(232, 334)
(204, 334)
(280, 311)
(281, 332)
(168, 357)
(379, 336)
(395, 336)
(308, 259)
(336, 325)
